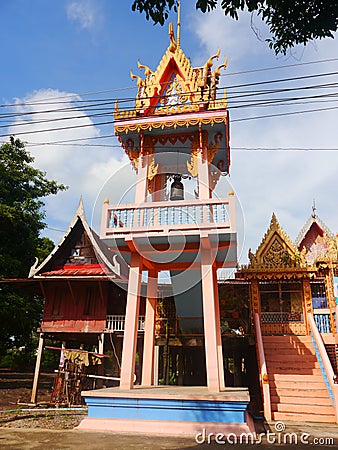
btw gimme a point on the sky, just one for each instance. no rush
(61, 55)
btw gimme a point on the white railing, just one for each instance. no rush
(165, 216)
(117, 323)
(322, 320)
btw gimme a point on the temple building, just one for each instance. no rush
(195, 352)
(294, 312)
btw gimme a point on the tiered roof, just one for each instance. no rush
(175, 86)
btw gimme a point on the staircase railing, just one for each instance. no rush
(263, 373)
(326, 361)
(322, 320)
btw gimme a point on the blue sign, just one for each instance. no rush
(335, 284)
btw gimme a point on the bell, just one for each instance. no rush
(177, 189)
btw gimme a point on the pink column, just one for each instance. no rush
(203, 175)
(213, 349)
(149, 331)
(131, 324)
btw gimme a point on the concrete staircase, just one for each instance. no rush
(297, 385)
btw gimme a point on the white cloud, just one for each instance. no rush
(83, 168)
(284, 182)
(83, 12)
(233, 37)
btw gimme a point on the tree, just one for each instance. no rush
(291, 22)
(22, 188)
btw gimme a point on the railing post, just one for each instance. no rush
(232, 211)
(105, 217)
(263, 373)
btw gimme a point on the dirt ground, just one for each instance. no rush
(22, 428)
(15, 411)
(16, 387)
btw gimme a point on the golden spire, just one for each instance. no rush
(179, 24)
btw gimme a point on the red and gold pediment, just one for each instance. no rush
(317, 241)
(175, 86)
(276, 252)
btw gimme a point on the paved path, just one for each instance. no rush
(42, 439)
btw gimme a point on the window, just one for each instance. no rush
(318, 292)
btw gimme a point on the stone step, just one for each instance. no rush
(297, 388)
(305, 393)
(301, 379)
(298, 417)
(303, 351)
(294, 358)
(301, 409)
(285, 363)
(293, 370)
(300, 400)
(309, 386)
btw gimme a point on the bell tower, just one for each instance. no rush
(176, 134)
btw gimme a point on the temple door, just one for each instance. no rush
(282, 308)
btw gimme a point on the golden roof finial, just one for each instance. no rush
(140, 82)
(147, 70)
(179, 24)
(173, 43)
(209, 63)
(217, 71)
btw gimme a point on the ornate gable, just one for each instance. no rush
(276, 249)
(276, 256)
(175, 86)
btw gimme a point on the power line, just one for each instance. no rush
(231, 105)
(226, 74)
(235, 101)
(267, 116)
(250, 149)
(279, 67)
(280, 80)
(111, 122)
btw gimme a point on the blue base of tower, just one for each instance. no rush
(173, 410)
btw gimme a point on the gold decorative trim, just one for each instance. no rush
(192, 166)
(255, 297)
(266, 274)
(213, 146)
(169, 124)
(195, 148)
(307, 295)
(152, 169)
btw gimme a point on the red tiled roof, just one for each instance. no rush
(80, 270)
